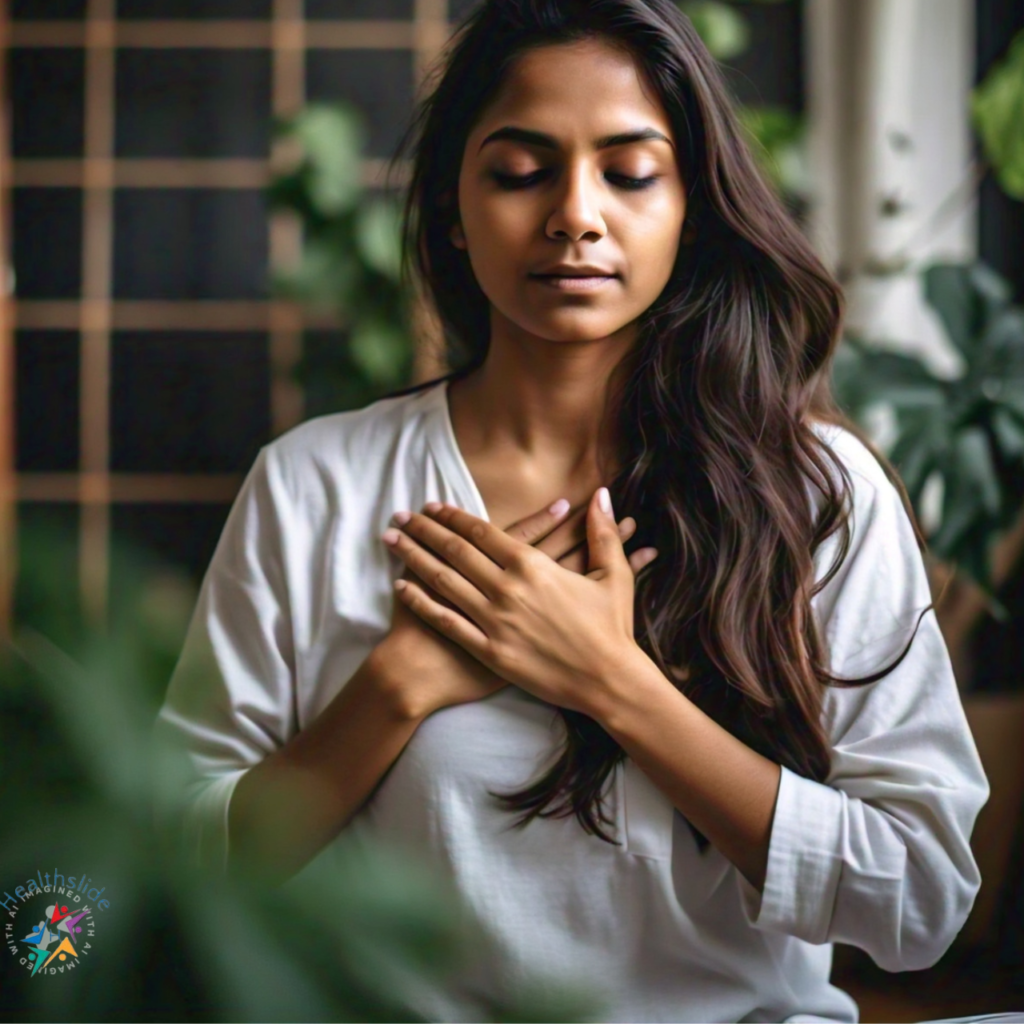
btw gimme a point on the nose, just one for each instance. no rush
(577, 210)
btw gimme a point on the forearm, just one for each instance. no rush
(726, 789)
(285, 809)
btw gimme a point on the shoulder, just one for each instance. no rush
(866, 472)
(336, 452)
(876, 505)
(327, 471)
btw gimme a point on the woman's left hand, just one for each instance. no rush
(560, 635)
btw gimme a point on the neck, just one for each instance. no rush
(549, 408)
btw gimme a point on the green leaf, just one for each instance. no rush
(332, 140)
(972, 556)
(1003, 341)
(778, 136)
(901, 380)
(379, 348)
(378, 236)
(993, 291)
(1012, 400)
(915, 451)
(972, 302)
(948, 290)
(972, 493)
(725, 31)
(997, 109)
(975, 458)
(1009, 432)
(326, 277)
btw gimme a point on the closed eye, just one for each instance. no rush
(513, 181)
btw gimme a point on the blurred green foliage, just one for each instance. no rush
(997, 108)
(961, 439)
(725, 31)
(357, 935)
(777, 134)
(965, 434)
(349, 264)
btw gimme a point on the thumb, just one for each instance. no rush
(604, 545)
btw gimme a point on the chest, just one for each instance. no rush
(512, 493)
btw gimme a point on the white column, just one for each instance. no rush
(889, 144)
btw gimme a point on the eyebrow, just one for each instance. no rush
(532, 138)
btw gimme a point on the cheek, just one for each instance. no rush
(652, 241)
(498, 237)
(662, 220)
(502, 227)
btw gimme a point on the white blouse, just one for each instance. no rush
(299, 592)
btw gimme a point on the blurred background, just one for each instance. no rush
(201, 251)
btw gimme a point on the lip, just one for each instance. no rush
(573, 284)
(575, 270)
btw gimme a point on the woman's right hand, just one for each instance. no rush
(425, 671)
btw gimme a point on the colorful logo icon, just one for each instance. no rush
(61, 927)
(51, 926)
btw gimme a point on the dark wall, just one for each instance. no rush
(1001, 219)
(183, 402)
(998, 652)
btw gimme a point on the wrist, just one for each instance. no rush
(388, 673)
(631, 679)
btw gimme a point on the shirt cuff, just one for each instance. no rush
(804, 861)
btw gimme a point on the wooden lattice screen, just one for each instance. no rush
(140, 235)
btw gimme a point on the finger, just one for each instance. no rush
(570, 534)
(641, 558)
(604, 548)
(449, 526)
(466, 555)
(448, 622)
(409, 575)
(447, 578)
(626, 530)
(538, 525)
(574, 559)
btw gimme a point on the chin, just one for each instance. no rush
(570, 327)
(568, 336)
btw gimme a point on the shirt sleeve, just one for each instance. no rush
(879, 855)
(231, 698)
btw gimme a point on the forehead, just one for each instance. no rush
(576, 88)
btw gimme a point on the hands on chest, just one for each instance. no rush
(423, 655)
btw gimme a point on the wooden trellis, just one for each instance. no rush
(96, 313)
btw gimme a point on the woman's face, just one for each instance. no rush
(543, 182)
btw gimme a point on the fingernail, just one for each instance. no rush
(401, 518)
(604, 499)
(390, 536)
(561, 506)
(433, 506)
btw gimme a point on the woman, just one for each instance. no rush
(679, 789)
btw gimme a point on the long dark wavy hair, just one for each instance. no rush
(730, 367)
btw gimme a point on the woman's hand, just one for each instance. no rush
(553, 632)
(428, 671)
